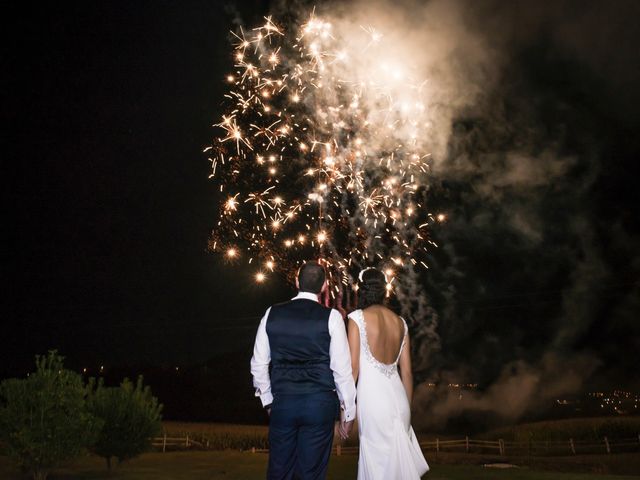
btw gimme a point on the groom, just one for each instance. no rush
(310, 379)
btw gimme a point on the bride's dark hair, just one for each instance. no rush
(372, 289)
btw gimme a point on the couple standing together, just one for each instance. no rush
(305, 371)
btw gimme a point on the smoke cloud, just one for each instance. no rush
(536, 268)
(522, 278)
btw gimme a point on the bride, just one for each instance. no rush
(379, 343)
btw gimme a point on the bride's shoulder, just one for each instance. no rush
(356, 315)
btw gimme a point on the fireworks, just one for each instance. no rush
(320, 153)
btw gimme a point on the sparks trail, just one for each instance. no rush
(321, 153)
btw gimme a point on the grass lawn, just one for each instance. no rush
(214, 465)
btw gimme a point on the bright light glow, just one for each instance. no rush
(336, 121)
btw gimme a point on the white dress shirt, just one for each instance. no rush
(339, 354)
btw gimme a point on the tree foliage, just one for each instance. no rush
(44, 420)
(130, 416)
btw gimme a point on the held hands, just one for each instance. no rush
(344, 426)
(344, 429)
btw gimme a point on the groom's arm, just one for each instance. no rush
(260, 363)
(341, 365)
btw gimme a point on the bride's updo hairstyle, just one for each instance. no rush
(372, 288)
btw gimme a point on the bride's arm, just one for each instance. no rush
(405, 369)
(354, 347)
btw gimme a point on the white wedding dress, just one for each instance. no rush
(389, 449)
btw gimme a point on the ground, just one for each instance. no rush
(211, 465)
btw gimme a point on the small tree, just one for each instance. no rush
(44, 421)
(131, 417)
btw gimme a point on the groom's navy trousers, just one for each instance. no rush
(301, 435)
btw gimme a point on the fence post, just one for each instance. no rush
(187, 442)
(572, 445)
(338, 450)
(466, 439)
(501, 445)
(164, 442)
(253, 449)
(606, 442)
(437, 445)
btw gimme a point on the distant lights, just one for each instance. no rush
(260, 277)
(232, 253)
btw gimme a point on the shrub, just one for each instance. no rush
(43, 418)
(131, 417)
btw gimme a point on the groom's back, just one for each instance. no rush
(299, 340)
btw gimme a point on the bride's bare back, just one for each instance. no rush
(384, 336)
(385, 332)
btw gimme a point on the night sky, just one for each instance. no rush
(107, 108)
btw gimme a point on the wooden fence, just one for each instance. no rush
(464, 445)
(539, 448)
(177, 442)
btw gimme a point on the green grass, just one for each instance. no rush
(247, 466)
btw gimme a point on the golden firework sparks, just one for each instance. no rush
(340, 144)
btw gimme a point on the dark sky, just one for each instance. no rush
(108, 106)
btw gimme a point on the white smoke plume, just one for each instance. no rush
(514, 164)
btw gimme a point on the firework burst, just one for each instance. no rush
(320, 153)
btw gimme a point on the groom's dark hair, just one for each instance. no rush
(311, 277)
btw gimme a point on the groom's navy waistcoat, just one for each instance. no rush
(299, 340)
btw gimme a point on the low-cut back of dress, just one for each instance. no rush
(389, 449)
